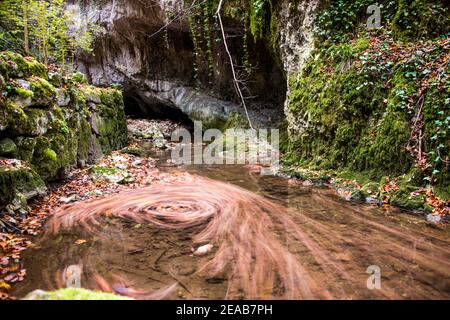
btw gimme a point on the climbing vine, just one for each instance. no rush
(339, 20)
(202, 26)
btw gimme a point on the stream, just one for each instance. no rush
(303, 242)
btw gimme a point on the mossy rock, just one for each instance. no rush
(92, 94)
(19, 180)
(371, 190)
(73, 294)
(44, 94)
(421, 19)
(7, 147)
(45, 159)
(23, 122)
(344, 114)
(79, 77)
(134, 150)
(13, 65)
(111, 120)
(50, 124)
(106, 174)
(63, 97)
(407, 196)
(25, 146)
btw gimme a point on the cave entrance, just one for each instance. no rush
(139, 107)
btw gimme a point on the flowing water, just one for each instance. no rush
(270, 240)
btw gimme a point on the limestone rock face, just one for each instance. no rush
(296, 30)
(160, 69)
(296, 26)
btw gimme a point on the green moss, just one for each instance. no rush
(334, 108)
(13, 65)
(106, 174)
(264, 23)
(436, 112)
(50, 138)
(352, 115)
(26, 122)
(383, 146)
(79, 77)
(84, 137)
(421, 19)
(7, 147)
(362, 44)
(14, 119)
(111, 121)
(73, 294)
(43, 91)
(24, 93)
(442, 192)
(338, 21)
(45, 159)
(105, 170)
(406, 196)
(49, 154)
(25, 147)
(19, 180)
(136, 151)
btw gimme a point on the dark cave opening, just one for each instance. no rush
(139, 107)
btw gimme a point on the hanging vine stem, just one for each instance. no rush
(236, 81)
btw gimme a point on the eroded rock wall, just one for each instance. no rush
(148, 47)
(296, 40)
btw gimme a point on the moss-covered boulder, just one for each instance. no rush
(13, 65)
(405, 192)
(105, 174)
(18, 181)
(73, 294)
(7, 147)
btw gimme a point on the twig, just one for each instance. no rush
(159, 257)
(179, 282)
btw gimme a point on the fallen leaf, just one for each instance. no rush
(4, 286)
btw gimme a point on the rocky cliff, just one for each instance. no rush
(170, 59)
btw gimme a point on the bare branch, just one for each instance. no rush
(236, 81)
